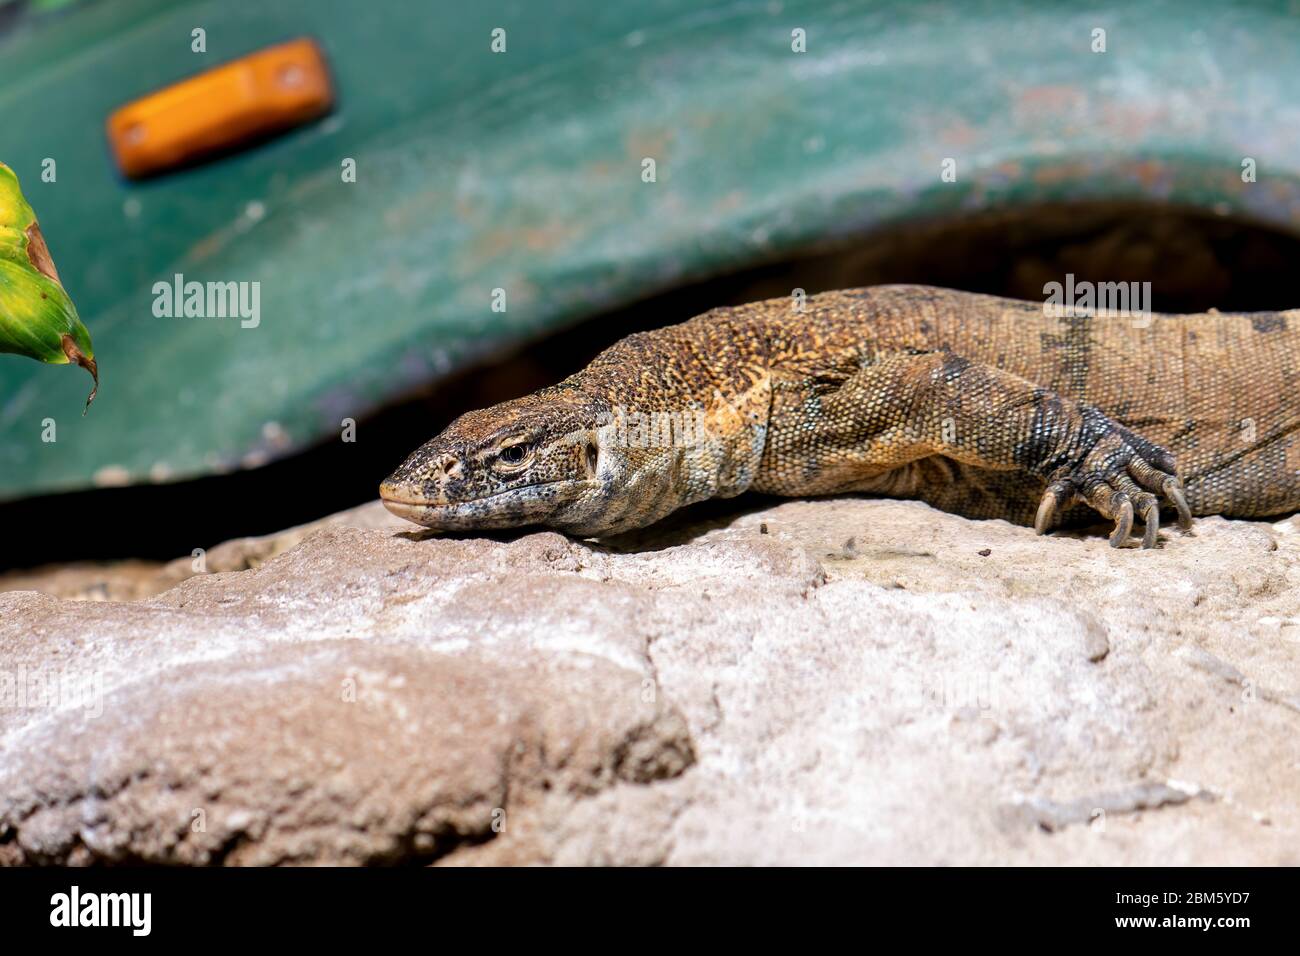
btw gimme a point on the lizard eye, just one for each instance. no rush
(514, 454)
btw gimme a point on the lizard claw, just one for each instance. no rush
(1173, 488)
(1151, 518)
(1058, 496)
(1046, 512)
(1123, 524)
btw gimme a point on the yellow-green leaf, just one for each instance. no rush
(37, 318)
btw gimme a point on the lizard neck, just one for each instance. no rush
(735, 433)
(706, 447)
(688, 421)
(664, 456)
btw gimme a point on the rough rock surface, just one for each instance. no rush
(836, 681)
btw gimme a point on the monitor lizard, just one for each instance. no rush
(982, 406)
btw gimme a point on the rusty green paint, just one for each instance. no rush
(522, 171)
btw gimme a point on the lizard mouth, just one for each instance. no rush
(502, 509)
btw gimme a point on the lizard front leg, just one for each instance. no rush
(906, 407)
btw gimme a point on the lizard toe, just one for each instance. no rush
(1100, 496)
(1161, 482)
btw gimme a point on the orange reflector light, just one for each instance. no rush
(263, 93)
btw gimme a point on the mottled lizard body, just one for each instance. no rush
(982, 406)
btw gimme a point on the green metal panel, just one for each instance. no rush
(523, 170)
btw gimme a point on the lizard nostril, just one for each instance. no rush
(447, 467)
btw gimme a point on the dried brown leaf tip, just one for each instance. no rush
(75, 354)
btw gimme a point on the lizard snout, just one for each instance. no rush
(427, 484)
(394, 491)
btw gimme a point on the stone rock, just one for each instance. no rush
(835, 681)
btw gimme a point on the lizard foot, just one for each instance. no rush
(1120, 476)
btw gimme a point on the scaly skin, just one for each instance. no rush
(982, 406)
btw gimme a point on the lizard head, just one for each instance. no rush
(532, 460)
